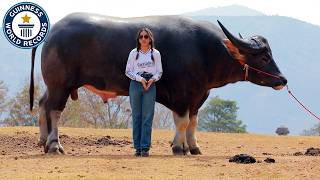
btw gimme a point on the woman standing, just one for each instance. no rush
(144, 68)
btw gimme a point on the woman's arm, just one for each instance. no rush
(158, 64)
(130, 68)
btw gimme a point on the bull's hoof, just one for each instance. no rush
(179, 151)
(195, 151)
(54, 148)
(42, 142)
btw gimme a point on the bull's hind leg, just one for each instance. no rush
(57, 99)
(179, 144)
(191, 136)
(43, 121)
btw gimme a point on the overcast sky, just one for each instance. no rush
(306, 10)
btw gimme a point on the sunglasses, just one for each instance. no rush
(145, 36)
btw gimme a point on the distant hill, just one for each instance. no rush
(233, 10)
(295, 49)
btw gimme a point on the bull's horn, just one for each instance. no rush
(242, 44)
(240, 36)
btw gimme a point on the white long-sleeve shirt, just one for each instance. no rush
(144, 63)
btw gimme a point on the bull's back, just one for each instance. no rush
(80, 27)
(94, 48)
(82, 39)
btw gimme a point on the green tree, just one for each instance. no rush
(220, 116)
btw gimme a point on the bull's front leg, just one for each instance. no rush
(191, 136)
(179, 144)
(53, 143)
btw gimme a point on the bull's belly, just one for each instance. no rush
(105, 95)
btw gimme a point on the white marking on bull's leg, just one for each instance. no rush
(179, 141)
(53, 143)
(42, 126)
(191, 136)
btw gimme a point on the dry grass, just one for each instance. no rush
(23, 160)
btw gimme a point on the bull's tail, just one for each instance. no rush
(31, 90)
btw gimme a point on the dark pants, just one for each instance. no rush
(142, 104)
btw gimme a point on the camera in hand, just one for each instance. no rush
(146, 75)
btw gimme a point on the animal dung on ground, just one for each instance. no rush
(269, 160)
(242, 158)
(247, 159)
(312, 152)
(298, 153)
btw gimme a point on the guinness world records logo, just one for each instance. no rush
(26, 25)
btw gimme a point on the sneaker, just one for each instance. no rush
(137, 153)
(145, 152)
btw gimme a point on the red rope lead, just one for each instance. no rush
(247, 67)
(275, 76)
(302, 104)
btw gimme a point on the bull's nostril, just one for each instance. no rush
(284, 81)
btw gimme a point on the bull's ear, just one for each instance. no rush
(234, 51)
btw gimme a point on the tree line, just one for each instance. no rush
(217, 115)
(88, 111)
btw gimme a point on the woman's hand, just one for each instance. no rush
(144, 84)
(150, 82)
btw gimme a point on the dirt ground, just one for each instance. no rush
(108, 154)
